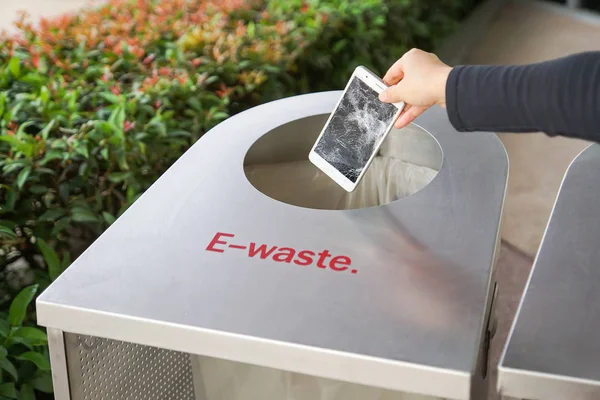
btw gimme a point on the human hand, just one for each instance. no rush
(419, 79)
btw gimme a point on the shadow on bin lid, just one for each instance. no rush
(277, 165)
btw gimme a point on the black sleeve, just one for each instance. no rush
(558, 97)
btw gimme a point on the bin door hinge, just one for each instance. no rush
(490, 331)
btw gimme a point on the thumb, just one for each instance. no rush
(393, 94)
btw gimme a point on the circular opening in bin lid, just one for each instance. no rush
(277, 165)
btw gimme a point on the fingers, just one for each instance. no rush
(395, 73)
(393, 94)
(408, 115)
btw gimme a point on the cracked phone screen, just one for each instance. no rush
(355, 130)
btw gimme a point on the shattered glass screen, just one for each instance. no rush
(355, 129)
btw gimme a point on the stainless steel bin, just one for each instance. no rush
(553, 351)
(396, 296)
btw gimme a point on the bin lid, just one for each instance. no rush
(391, 296)
(553, 351)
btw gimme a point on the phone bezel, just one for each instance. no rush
(371, 80)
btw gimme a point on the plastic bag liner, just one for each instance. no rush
(227, 380)
(408, 160)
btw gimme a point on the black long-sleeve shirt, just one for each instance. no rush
(558, 97)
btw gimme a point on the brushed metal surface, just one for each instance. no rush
(553, 351)
(411, 319)
(103, 369)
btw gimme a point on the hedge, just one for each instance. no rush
(95, 106)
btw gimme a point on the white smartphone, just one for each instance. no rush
(355, 130)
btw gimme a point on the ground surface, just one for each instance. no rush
(36, 9)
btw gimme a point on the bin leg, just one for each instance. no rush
(58, 362)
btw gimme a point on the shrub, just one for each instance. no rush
(23, 352)
(95, 106)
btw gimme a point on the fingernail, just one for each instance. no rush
(383, 96)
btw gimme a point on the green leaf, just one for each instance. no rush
(271, 68)
(45, 96)
(51, 258)
(111, 98)
(12, 140)
(3, 352)
(32, 336)
(33, 80)
(52, 214)
(8, 390)
(61, 225)
(52, 155)
(379, 20)
(9, 367)
(251, 29)
(45, 171)
(38, 189)
(8, 116)
(27, 392)
(210, 80)
(21, 131)
(23, 175)
(14, 65)
(43, 383)
(66, 261)
(221, 115)
(83, 150)
(11, 341)
(12, 166)
(37, 358)
(195, 104)
(44, 132)
(108, 217)
(180, 133)
(4, 327)
(83, 169)
(11, 199)
(142, 147)
(60, 144)
(80, 214)
(43, 68)
(143, 135)
(116, 177)
(117, 118)
(107, 127)
(5, 231)
(2, 102)
(18, 307)
(339, 46)
(5, 222)
(244, 64)
(122, 161)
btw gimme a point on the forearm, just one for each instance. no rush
(558, 97)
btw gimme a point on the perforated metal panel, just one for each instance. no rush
(102, 369)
